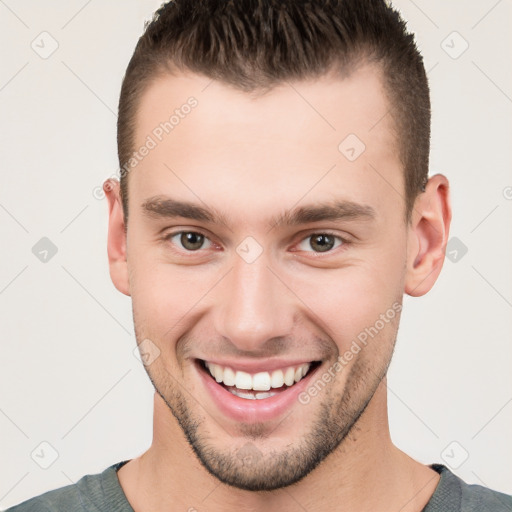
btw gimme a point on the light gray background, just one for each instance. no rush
(68, 374)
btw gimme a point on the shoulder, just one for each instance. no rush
(63, 498)
(51, 501)
(88, 494)
(479, 498)
(453, 494)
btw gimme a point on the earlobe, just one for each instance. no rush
(116, 244)
(427, 237)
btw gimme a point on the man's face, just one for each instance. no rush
(257, 296)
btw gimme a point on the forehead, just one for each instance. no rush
(210, 140)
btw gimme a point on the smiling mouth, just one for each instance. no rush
(260, 385)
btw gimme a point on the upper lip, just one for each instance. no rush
(266, 365)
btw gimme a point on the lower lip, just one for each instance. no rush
(252, 411)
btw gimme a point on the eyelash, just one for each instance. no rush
(344, 241)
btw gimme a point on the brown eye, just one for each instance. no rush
(321, 242)
(189, 240)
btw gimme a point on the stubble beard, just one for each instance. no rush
(249, 467)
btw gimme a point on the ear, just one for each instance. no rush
(116, 244)
(427, 236)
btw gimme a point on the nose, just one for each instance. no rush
(254, 306)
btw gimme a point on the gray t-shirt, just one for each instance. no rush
(103, 493)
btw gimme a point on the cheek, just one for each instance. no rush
(351, 300)
(166, 297)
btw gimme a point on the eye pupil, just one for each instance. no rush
(324, 242)
(191, 241)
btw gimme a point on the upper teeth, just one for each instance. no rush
(261, 381)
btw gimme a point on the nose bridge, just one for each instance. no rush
(253, 306)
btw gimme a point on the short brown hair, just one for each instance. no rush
(257, 44)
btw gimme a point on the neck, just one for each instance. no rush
(366, 472)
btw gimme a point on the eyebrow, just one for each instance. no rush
(167, 207)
